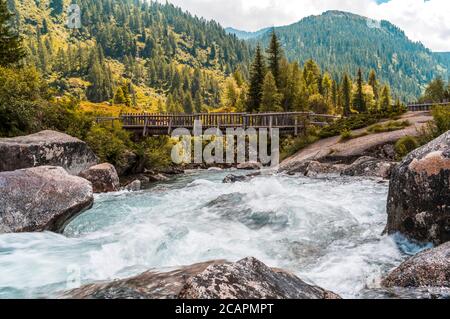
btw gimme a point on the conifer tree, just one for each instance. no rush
(274, 56)
(385, 100)
(346, 94)
(257, 75)
(11, 50)
(271, 99)
(373, 82)
(119, 97)
(359, 102)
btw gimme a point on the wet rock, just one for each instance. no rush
(369, 167)
(297, 168)
(316, 168)
(103, 177)
(155, 176)
(129, 163)
(46, 148)
(134, 186)
(43, 198)
(247, 278)
(232, 178)
(249, 166)
(419, 193)
(148, 285)
(430, 268)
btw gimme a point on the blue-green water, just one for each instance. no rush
(327, 231)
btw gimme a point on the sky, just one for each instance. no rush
(427, 21)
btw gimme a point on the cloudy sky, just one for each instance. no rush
(427, 21)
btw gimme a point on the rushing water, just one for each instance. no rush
(327, 231)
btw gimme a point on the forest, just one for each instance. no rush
(135, 56)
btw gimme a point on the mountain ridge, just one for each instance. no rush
(343, 42)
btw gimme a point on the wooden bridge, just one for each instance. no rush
(422, 107)
(288, 123)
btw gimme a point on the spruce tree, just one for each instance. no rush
(274, 55)
(11, 50)
(346, 94)
(257, 74)
(373, 82)
(271, 99)
(359, 102)
(385, 100)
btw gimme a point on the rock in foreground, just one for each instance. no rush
(370, 167)
(46, 148)
(247, 278)
(430, 268)
(41, 198)
(250, 279)
(419, 193)
(103, 177)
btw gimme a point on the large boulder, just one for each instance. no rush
(46, 148)
(369, 167)
(430, 268)
(250, 279)
(103, 177)
(247, 278)
(419, 193)
(41, 198)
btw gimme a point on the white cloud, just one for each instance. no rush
(427, 21)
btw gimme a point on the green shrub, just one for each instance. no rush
(441, 116)
(292, 145)
(351, 123)
(406, 145)
(156, 151)
(346, 135)
(109, 143)
(389, 126)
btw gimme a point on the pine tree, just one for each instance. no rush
(257, 74)
(271, 99)
(346, 94)
(57, 7)
(188, 104)
(198, 102)
(274, 56)
(385, 100)
(373, 82)
(359, 102)
(119, 97)
(11, 50)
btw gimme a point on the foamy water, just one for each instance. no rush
(327, 231)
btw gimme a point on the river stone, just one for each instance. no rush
(419, 193)
(370, 167)
(250, 279)
(430, 268)
(134, 186)
(247, 278)
(46, 148)
(249, 166)
(103, 177)
(315, 169)
(41, 198)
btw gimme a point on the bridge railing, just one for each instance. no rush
(422, 107)
(226, 120)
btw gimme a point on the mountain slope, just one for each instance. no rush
(245, 35)
(341, 41)
(150, 50)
